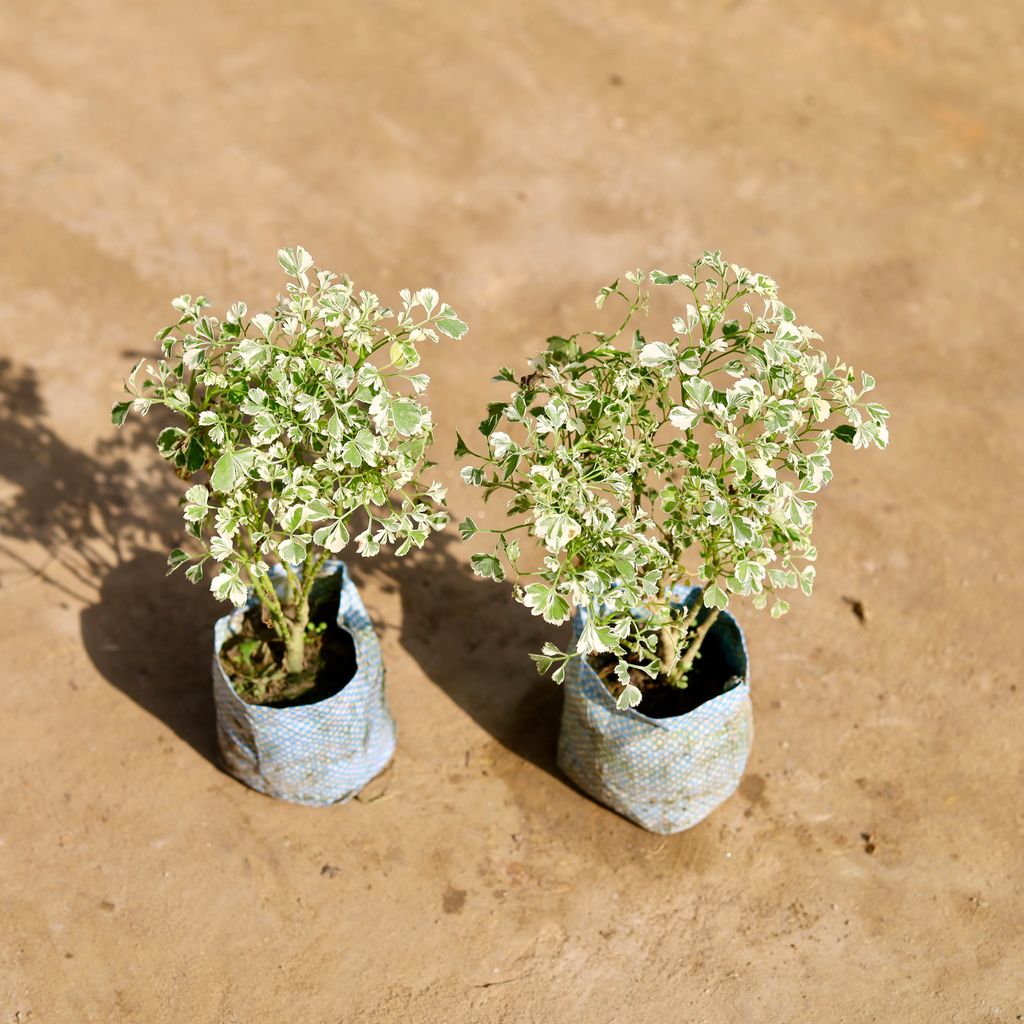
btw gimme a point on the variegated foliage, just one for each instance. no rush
(641, 464)
(311, 423)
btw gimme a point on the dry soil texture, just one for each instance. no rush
(516, 157)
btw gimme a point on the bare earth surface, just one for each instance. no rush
(516, 157)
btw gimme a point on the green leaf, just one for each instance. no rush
(194, 573)
(546, 602)
(845, 433)
(333, 537)
(195, 455)
(660, 277)
(608, 289)
(629, 698)
(292, 551)
(352, 455)
(657, 354)
(361, 448)
(559, 347)
(467, 528)
(291, 519)
(221, 548)
(176, 559)
(682, 418)
(699, 390)
(495, 411)
(807, 580)
(228, 586)
(118, 412)
(543, 663)
(689, 362)
(461, 448)
(403, 355)
(510, 464)
(338, 537)
(452, 326)
(197, 505)
(294, 261)
(488, 567)
(715, 597)
(230, 470)
(428, 299)
(319, 509)
(407, 416)
(556, 530)
(169, 441)
(742, 534)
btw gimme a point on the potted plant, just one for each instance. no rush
(661, 480)
(306, 426)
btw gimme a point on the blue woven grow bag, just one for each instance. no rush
(665, 774)
(314, 754)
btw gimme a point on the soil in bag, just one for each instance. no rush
(712, 674)
(253, 657)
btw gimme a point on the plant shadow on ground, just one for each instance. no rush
(473, 641)
(95, 529)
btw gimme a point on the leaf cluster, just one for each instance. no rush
(302, 425)
(642, 464)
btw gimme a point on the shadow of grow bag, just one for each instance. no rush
(315, 754)
(665, 774)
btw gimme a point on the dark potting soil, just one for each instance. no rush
(253, 658)
(711, 675)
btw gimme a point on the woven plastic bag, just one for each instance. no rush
(315, 754)
(665, 774)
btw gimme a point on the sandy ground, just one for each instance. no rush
(516, 157)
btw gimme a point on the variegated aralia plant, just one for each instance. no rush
(642, 465)
(310, 424)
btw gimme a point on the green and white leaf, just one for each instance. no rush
(291, 413)
(722, 496)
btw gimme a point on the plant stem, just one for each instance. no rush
(693, 649)
(295, 642)
(293, 583)
(269, 599)
(310, 574)
(670, 637)
(295, 645)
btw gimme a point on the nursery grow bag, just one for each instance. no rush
(315, 754)
(665, 774)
